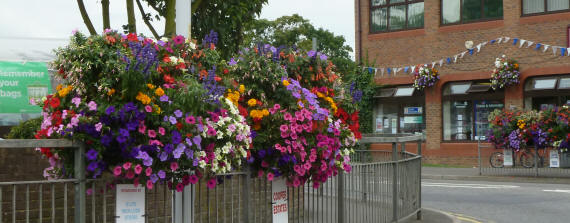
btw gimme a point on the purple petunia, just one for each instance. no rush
(91, 154)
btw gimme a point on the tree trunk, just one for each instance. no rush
(145, 19)
(170, 23)
(106, 21)
(85, 17)
(131, 16)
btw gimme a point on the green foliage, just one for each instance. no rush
(296, 31)
(364, 81)
(26, 129)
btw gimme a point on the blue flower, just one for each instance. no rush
(91, 154)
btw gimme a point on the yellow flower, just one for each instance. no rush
(265, 112)
(159, 92)
(157, 109)
(241, 88)
(320, 95)
(151, 86)
(143, 98)
(62, 92)
(252, 102)
(286, 82)
(59, 87)
(111, 92)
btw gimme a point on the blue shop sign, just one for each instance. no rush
(413, 110)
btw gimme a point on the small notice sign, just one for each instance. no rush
(554, 158)
(508, 157)
(279, 201)
(130, 206)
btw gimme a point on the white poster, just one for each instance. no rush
(130, 206)
(508, 157)
(554, 158)
(394, 126)
(379, 125)
(279, 200)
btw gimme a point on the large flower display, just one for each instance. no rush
(289, 99)
(172, 111)
(425, 77)
(146, 109)
(506, 73)
(519, 129)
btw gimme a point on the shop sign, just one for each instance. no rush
(554, 158)
(508, 157)
(21, 82)
(413, 119)
(130, 205)
(279, 200)
(413, 110)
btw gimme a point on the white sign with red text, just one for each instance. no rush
(130, 204)
(279, 200)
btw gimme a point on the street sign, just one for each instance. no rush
(279, 200)
(554, 158)
(130, 205)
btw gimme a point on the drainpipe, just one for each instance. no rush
(359, 32)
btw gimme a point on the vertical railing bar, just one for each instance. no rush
(27, 203)
(93, 187)
(40, 201)
(1, 213)
(216, 192)
(164, 198)
(239, 196)
(65, 202)
(104, 203)
(52, 203)
(79, 175)
(14, 203)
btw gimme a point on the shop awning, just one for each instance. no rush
(401, 91)
(548, 83)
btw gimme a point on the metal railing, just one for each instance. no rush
(538, 163)
(383, 186)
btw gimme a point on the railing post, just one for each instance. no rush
(246, 191)
(419, 214)
(177, 198)
(536, 160)
(340, 193)
(395, 182)
(79, 174)
(479, 157)
(403, 144)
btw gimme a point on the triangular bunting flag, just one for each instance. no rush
(562, 51)
(493, 41)
(545, 48)
(507, 39)
(529, 44)
(396, 71)
(432, 64)
(554, 50)
(406, 69)
(375, 71)
(389, 71)
(500, 39)
(382, 71)
(413, 69)
(522, 43)
(370, 69)
(440, 62)
(470, 51)
(462, 54)
(538, 45)
(455, 58)
(448, 60)
(515, 40)
(479, 48)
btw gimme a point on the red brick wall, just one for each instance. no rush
(435, 42)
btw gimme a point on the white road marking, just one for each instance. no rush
(474, 186)
(558, 191)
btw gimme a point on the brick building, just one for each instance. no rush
(400, 33)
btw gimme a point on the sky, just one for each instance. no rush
(30, 29)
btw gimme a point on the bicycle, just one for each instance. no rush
(526, 158)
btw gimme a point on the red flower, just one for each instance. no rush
(54, 102)
(132, 37)
(242, 111)
(226, 71)
(179, 125)
(168, 79)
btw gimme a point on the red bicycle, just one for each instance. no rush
(526, 158)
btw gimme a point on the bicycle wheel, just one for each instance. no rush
(527, 160)
(497, 160)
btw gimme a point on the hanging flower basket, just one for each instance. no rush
(506, 73)
(425, 77)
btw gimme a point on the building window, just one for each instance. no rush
(394, 15)
(399, 110)
(544, 6)
(466, 108)
(547, 92)
(465, 11)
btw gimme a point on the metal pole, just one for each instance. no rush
(419, 214)
(536, 160)
(246, 190)
(479, 156)
(395, 182)
(403, 144)
(315, 43)
(79, 169)
(340, 198)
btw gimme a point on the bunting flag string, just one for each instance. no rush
(410, 69)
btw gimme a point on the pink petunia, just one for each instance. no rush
(190, 119)
(151, 133)
(149, 184)
(92, 106)
(179, 187)
(264, 164)
(148, 108)
(127, 165)
(98, 127)
(283, 128)
(174, 166)
(296, 182)
(130, 174)
(193, 179)
(161, 131)
(270, 176)
(138, 169)
(212, 183)
(117, 171)
(260, 173)
(287, 116)
(276, 107)
(142, 129)
(136, 182)
(148, 171)
(76, 101)
(211, 131)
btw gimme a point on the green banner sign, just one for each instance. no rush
(21, 82)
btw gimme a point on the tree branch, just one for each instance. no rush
(85, 17)
(106, 20)
(145, 19)
(170, 15)
(131, 16)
